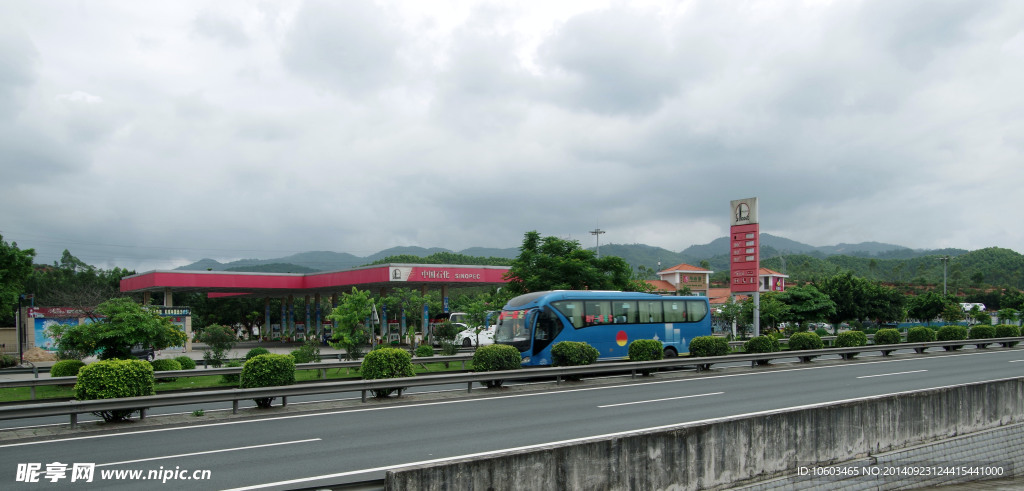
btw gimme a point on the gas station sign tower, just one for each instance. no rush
(745, 253)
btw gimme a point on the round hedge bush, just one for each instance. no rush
(800, 341)
(982, 331)
(762, 344)
(66, 368)
(257, 351)
(424, 351)
(920, 334)
(850, 339)
(887, 336)
(573, 353)
(1007, 331)
(951, 333)
(267, 370)
(386, 363)
(186, 362)
(165, 365)
(109, 379)
(646, 350)
(496, 357)
(704, 346)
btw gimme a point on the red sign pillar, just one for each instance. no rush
(744, 258)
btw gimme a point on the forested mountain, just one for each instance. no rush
(881, 262)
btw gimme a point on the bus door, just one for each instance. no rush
(546, 329)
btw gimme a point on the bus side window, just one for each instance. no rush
(675, 311)
(650, 311)
(548, 327)
(624, 312)
(696, 310)
(597, 312)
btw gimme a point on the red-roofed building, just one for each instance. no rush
(683, 275)
(769, 281)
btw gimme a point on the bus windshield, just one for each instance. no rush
(513, 328)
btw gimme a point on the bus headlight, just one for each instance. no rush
(525, 360)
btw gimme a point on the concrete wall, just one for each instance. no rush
(724, 452)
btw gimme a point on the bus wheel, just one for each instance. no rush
(670, 352)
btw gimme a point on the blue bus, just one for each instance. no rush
(606, 320)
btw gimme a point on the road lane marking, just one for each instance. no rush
(888, 374)
(250, 447)
(659, 400)
(1015, 361)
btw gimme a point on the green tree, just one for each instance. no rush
(118, 324)
(15, 269)
(730, 312)
(550, 263)
(926, 307)
(848, 293)
(408, 301)
(772, 311)
(952, 313)
(884, 304)
(220, 339)
(348, 317)
(807, 304)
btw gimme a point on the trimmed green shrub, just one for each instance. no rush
(423, 351)
(496, 357)
(66, 368)
(232, 378)
(267, 370)
(982, 331)
(920, 334)
(109, 379)
(762, 344)
(167, 365)
(951, 333)
(887, 336)
(703, 346)
(8, 361)
(219, 339)
(849, 339)
(821, 332)
(186, 362)
(1007, 331)
(257, 351)
(573, 353)
(386, 363)
(646, 350)
(800, 341)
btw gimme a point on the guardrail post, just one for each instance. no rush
(323, 374)
(284, 401)
(142, 414)
(364, 395)
(463, 364)
(74, 420)
(558, 380)
(33, 392)
(469, 387)
(234, 406)
(633, 373)
(399, 392)
(35, 372)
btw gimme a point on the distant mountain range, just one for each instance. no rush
(716, 253)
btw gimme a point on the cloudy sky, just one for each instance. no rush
(152, 134)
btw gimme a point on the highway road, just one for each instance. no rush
(359, 443)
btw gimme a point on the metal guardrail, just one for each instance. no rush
(74, 408)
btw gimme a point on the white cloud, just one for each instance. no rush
(132, 134)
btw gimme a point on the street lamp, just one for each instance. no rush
(597, 234)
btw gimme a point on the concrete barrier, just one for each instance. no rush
(727, 452)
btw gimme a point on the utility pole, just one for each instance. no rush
(597, 234)
(945, 262)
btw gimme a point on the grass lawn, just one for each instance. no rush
(64, 392)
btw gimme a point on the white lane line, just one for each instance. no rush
(1015, 361)
(659, 400)
(208, 452)
(888, 374)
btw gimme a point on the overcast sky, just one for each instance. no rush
(152, 134)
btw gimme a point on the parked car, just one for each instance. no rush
(468, 338)
(143, 353)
